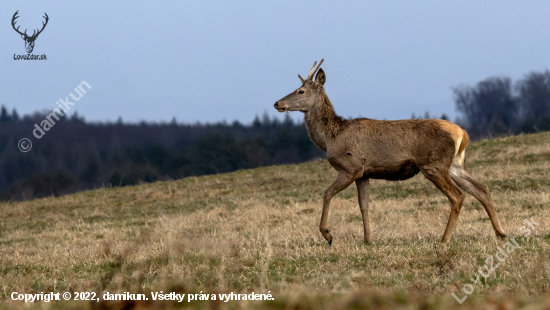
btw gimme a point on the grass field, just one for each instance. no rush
(257, 230)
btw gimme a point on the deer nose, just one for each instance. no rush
(277, 106)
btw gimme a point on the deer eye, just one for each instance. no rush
(301, 91)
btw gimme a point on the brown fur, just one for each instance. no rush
(361, 149)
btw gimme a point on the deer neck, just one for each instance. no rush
(322, 122)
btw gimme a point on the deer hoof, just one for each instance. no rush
(501, 236)
(326, 234)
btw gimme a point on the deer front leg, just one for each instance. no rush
(342, 181)
(363, 194)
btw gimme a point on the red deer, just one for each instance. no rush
(362, 149)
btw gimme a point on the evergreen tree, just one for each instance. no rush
(4, 116)
(14, 116)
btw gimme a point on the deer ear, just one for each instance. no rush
(320, 78)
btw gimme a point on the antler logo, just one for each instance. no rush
(29, 41)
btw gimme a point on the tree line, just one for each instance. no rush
(497, 106)
(75, 155)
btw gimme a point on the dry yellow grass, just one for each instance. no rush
(257, 230)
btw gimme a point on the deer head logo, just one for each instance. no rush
(29, 40)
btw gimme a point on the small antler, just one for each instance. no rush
(13, 24)
(301, 79)
(314, 70)
(311, 71)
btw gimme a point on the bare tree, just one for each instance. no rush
(534, 100)
(489, 107)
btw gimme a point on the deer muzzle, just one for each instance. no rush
(278, 107)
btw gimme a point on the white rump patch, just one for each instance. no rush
(458, 161)
(457, 146)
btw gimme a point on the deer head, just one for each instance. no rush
(303, 98)
(29, 40)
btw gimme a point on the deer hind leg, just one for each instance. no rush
(443, 182)
(479, 191)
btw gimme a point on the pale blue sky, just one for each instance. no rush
(208, 61)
